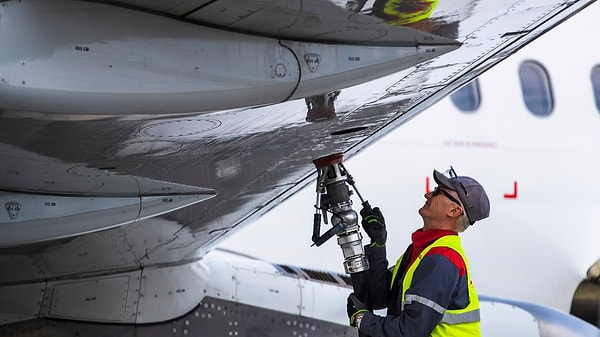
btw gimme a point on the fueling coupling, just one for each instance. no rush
(333, 197)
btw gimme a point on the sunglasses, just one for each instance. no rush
(450, 173)
(438, 190)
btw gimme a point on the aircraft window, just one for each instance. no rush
(288, 270)
(318, 275)
(467, 98)
(595, 77)
(535, 85)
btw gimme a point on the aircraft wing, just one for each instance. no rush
(135, 135)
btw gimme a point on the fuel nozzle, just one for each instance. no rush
(333, 197)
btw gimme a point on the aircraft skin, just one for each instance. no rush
(128, 151)
(541, 237)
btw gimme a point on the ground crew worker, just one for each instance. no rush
(429, 291)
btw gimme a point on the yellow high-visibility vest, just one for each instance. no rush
(461, 322)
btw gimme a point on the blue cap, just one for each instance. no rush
(472, 195)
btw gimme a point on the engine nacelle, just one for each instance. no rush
(79, 57)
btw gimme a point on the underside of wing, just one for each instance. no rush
(135, 135)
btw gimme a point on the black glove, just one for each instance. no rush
(355, 307)
(374, 224)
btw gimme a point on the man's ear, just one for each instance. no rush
(455, 211)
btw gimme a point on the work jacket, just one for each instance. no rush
(428, 292)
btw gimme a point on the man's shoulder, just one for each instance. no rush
(451, 255)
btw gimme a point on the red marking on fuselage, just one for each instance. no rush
(514, 194)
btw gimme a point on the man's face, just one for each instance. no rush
(438, 203)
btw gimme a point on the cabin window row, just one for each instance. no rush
(536, 90)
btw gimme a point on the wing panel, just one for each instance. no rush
(21, 302)
(170, 7)
(308, 20)
(85, 300)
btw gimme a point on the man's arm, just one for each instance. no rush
(379, 276)
(433, 285)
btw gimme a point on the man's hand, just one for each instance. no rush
(355, 307)
(374, 224)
